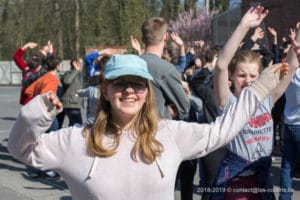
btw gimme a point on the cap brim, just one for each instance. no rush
(126, 72)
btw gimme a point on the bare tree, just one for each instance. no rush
(77, 30)
(58, 28)
(74, 24)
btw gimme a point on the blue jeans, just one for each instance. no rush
(74, 116)
(291, 148)
(232, 165)
(54, 126)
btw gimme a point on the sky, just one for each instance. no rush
(201, 3)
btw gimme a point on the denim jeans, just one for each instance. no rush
(232, 165)
(60, 118)
(54, 126)
(291, 149)
(74, 116)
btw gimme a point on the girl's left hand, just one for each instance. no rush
(254, 16)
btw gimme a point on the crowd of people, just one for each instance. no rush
(153, 117)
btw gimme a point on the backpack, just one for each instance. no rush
(201, 85)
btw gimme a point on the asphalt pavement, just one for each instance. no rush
(14, 181)
(16, 185)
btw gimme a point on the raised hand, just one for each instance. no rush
(254, 16)
(272, 31)
(30, 45)
(200, 43)
(284, 70)
(77, 64)
(292, 34)
(54, 100)
(176, 38)
(50, 46)
(136, 45)
(107, 52)
(192, 51)
(281, 68)
(296, 44)
(258, 34)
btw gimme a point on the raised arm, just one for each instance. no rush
(275, 48)
(136, 45)
(295, 37)
(176, 38)
(273, 32)
(252, 18)
(249, 43)
(25, 136)
(46, 48)
(18, 55)
(89, 59)
(292, 62)
(182, 59)
(296, 43)
(107, 52)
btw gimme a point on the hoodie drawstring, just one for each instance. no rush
(93, 167)
(159, 168)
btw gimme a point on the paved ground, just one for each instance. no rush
(14, 183)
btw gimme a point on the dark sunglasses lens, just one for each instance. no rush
(119, 85)
(137, 86)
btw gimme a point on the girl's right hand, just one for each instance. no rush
(54, 100)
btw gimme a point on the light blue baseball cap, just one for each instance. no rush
(124, 65)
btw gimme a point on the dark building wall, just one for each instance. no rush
(283, 15)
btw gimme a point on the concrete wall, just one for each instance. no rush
(10, 74)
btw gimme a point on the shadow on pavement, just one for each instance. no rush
(18, 166)
(8, 118)
(66, 198)
(5, 156)
(56, 183)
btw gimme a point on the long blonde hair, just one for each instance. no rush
(144, 125)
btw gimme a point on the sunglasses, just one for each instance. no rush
(139, 87)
